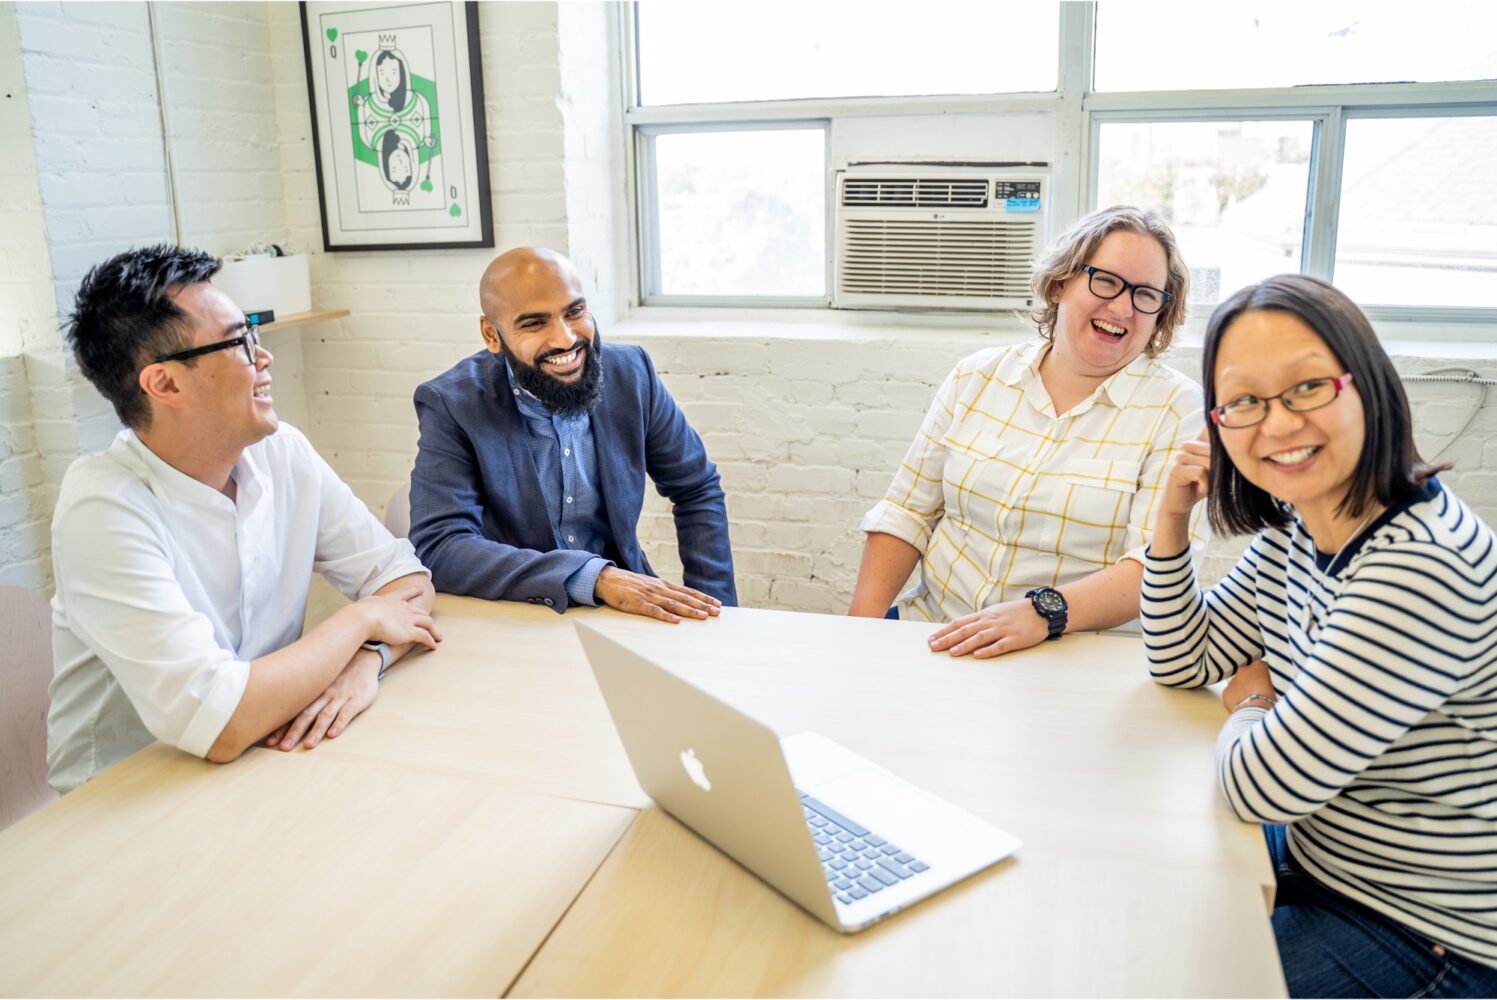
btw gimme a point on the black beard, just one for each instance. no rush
(567, 399)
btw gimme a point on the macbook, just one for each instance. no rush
(840, 836)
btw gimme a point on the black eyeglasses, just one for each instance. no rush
(1245, 411)
(1106, 285)
(249, 340)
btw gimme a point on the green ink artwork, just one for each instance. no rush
(395, 120)
(398, 124)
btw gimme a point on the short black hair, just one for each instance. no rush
(1389, 470)
(124, 318)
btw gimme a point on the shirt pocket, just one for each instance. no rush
(1094, 498)
(977, 479)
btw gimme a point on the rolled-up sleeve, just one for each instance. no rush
(915, 501)
(1181, 420)
(123, 601)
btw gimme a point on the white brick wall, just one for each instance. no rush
(416, 314)
(97, 140)
(28, 317)
(806, 421)
(807, 425)
(221, 96)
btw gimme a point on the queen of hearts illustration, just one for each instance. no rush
(394, 119)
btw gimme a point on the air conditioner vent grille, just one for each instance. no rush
(915, 192)
(983, 258)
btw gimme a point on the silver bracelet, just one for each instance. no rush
(1255, 696)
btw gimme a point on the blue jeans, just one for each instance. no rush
(1332, 946)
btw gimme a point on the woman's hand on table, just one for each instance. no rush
(1253, 679)
(1003, 628)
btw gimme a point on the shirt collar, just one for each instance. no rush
(177, 484)
(1022, 369)
(527, 401)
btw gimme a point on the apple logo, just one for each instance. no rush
(694, 769)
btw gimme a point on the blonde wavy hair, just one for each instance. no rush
(1070, 251)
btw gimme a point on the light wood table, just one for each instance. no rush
(434, 846)
(303, 874)
(507, 697)
(1135, 879)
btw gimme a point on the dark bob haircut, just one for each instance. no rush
(1389, 470)
(124, 318)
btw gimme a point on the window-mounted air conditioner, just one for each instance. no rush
(913, 236)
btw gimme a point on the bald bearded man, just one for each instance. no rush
(531, 468)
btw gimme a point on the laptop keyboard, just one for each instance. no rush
(857, 862)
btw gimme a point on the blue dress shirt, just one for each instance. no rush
(566, 460)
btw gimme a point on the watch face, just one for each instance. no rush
(1049, 601)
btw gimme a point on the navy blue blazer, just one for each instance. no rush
(478, 517)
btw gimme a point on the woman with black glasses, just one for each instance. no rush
(1360, 633)
(1026, 498)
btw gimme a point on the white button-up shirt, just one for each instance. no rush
(167, 589)
(1002, 495)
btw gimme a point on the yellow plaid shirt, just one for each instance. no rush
(1001, 495)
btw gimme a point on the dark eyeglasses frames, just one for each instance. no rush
(1106, 285)
(249, 340)
(1246, 411)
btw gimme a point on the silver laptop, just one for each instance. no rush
(839, 835)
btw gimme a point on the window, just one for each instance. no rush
(1418, 221)
(1350, 139)
(741, 213)
(1233, 191)
(1271, 43)
(702, 53)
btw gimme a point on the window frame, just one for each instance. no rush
(1079, 114)
(647, 248)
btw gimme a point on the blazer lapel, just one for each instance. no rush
(618, 478)
(526, 503)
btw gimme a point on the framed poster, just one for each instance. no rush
(398, 125)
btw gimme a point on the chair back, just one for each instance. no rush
(25, 672)
(398, 514)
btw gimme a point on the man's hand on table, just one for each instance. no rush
(653, 597)
(351, 693)
(1003, 628)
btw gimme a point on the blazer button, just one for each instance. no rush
(546, 601)
(533, 600)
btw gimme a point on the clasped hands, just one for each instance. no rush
(389, 618)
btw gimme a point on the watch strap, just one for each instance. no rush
(385, 656)
(1056, 618)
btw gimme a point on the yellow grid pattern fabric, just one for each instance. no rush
(1002, 495)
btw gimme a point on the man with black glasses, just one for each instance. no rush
(183, 553)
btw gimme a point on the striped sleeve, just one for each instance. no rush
(1396, 645)
(1193, 638)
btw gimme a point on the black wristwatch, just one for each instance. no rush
(1050, 604)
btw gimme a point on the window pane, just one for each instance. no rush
(1203, 46)
(691, 51)
(742, 213)
(1234, 193)
(1418, 222)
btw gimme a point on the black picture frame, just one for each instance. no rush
(403, 172)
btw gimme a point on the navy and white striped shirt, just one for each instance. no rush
(1382, 748)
